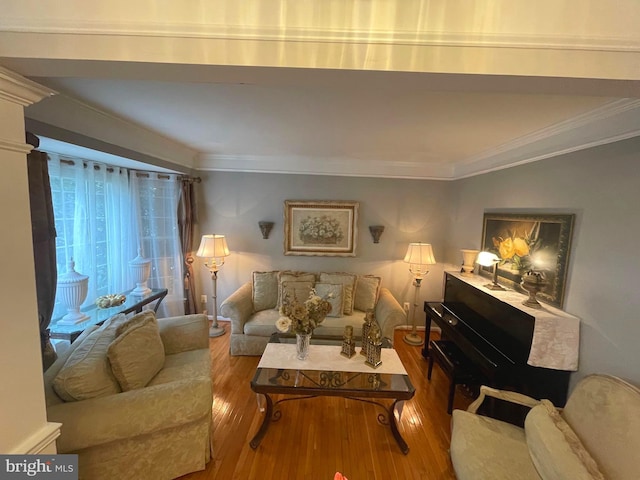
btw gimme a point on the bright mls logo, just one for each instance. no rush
(51, 467)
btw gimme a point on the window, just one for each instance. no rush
(103, 215)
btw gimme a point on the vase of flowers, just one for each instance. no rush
(302, 319)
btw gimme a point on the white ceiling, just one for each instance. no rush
(407, 89)
(339, 122)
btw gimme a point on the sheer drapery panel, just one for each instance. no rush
(157, 196)
(103, 215)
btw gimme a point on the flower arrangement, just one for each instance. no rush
(113, 300)
(517, 247)
(323, 229)
(302, 317)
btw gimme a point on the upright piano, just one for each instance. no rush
(496, 337)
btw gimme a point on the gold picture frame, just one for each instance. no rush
(320, 228)
(530, 241)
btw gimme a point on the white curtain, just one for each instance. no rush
(156, 197)
(94, 219)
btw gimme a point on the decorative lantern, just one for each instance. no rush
(366, 326)
(348, 344)
(374, 349)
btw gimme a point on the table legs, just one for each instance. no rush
(394, 427)
(268, 415)
(255, 441)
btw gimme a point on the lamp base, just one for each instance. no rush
(494, 286)
(413, 339)
(216, 331)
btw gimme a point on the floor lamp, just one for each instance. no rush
(214, 248)
(419, 256)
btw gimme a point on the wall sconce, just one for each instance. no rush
(265, 228)
(376, 231)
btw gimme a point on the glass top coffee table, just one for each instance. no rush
(328, 373)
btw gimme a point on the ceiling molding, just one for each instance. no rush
(616, 121)
(15, 88)
(51, 26)
(70, 114)
(345, 167)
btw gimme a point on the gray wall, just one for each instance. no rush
(601, 186)
(411, 211)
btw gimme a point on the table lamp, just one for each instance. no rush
(419, 256)
(488, 259)
(214, 248)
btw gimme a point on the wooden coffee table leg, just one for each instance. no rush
(394, 428)
(255, 441)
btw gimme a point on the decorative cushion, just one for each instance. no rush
(290, 276)
(296, 291)
(264, 290)
(137, 355)
(138, 319)
(556, 451)
(337, 297)
(367, 289)
(349, 282)
(86, 373)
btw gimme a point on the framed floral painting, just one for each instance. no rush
(325, 228)
(530, 242)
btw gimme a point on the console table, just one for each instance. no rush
(97, 316)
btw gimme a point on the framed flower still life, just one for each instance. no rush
(320, 228)
(530, 243)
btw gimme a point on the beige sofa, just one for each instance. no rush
(159, 430)
(596, 436)
(253, 308)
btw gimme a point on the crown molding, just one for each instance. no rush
(342, 166)
(17, 89)
(52, 26)
(613, 122)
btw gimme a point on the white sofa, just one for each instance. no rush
(159, 430)
(253, 308)
(595, 437)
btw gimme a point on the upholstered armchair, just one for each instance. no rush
(596, 436)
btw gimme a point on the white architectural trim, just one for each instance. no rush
(347, 167)
(616, 121)
(74, 115)
(10, 146)
(15, 88)
(40, 441)
(322, 35)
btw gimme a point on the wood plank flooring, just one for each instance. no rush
(317, 437)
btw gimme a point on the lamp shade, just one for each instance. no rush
(213, 246)
(420, 254)
(487, 259)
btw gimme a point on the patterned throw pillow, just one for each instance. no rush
(264, 290)
(290, 276)
(337, 297)
(349, 282)
(367, 289)
(296, 291)
(137, 355)
(86, 373)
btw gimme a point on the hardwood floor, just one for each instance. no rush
(317, 437)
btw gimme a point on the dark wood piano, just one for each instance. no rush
(496, 337)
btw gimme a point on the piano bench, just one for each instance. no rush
(455, 365)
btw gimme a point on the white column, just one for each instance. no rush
(22, 408)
